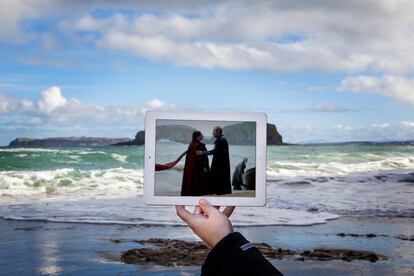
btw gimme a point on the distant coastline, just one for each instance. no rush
(64, 142)
(166, 132)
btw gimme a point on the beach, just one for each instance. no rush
(49, 248)
(78, 211)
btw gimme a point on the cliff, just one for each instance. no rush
(240, 134)
(237, 134)
(65, 142)
(138, 141)
(273, 136)
(176, 133)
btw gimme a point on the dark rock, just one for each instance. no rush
(381, 177)
(273, 136)
(370, 235)
(405, 238)
(407, 180)
(298, 183)
(31, 228)
(168, 252)
(313, 209)
(138, 141)
(347, 255)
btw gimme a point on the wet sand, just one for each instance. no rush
(33, 247)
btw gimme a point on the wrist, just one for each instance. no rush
(220, 238)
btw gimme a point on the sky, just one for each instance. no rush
(323, 71)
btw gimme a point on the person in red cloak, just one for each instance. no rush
(196, 168)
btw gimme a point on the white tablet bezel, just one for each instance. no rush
(149, 157)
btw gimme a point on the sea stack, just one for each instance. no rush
(273, 136)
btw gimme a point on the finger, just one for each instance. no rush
(206, 207)
(197, 209)
(228, 210)
(183, 213)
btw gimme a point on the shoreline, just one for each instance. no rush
(84, 248)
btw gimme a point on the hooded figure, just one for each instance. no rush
(237, 181)
(196, 168)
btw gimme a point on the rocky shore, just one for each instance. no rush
(346, 246)
(170, 252)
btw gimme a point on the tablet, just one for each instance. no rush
(192, 155)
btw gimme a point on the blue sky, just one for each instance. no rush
(322, 72)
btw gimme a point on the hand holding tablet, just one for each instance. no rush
(207, 222)
(219, 156)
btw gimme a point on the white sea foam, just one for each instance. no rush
(104, 196)
(85, 152)
(375, 193)
(133, 211)
(119, 157)
(301, 190)
(69, 184)
(303, 169)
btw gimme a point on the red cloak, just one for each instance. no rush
(196, 171)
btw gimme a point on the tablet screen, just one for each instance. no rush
(205, 158)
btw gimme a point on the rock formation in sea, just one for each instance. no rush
(138, 141)
(273, 136)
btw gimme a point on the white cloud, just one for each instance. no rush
(50, 99)
(383, 125)
(407, 124)
(238, 35)
(328, 107)
(399, 88)
(13, 12)
(139, 111)
(52, 108)
(277, 36)
(7, 104)
(345, 133)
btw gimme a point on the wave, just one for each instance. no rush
(371, 194)
(292, 169)
(132, 211)
(119, 157)
(69, 182)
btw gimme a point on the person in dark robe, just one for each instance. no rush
(220, 183)
(196, 168)
(237, 181)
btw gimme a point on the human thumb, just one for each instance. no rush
(206, 207)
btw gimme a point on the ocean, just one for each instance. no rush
(306, 185)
